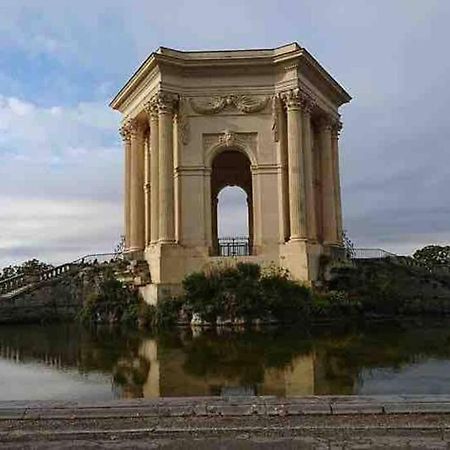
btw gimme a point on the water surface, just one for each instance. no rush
(69, 362)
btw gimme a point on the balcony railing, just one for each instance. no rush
(371, 253)
(234, 246)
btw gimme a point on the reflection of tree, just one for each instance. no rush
(243, 356)
(342, 354)
(245, 359)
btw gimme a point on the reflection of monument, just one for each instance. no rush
(196, 122)
(169, 377)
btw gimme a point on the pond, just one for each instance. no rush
(70, 362)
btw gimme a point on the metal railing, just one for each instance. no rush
(370, 253)
(234, 246)
(19, 281)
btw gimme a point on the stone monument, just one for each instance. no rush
(196, 122)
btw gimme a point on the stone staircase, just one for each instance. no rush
(16, 285)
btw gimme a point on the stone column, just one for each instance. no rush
(328, 198)
(147, 190)
(295, 166)
(166, 105)
(337, 126)
(137, 187)
(126, 137)
(152, 111)
(309, 172)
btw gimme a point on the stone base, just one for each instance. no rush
(152, 293)
(169, 264)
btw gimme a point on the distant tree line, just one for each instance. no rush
(30, 267)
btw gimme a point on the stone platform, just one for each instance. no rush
(235, 422)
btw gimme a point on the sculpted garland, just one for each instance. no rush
(243, 103)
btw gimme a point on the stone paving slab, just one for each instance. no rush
(231, 406)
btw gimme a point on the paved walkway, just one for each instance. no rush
(349, 422)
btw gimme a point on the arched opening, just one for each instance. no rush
(231, 204)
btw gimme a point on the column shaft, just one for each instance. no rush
(166, 171)
(147, 191)
(328, 198)
(309, 175)
(137, 188)
(154, 174)
(337, 180)
(125, 133)
(295, 169)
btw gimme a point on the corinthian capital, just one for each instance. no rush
(124, 132)
(166, 102)
(326, 123)
(336, 127)
(151, 108)
(308, 103)
(292, 99)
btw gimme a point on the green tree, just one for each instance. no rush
(433, 256)
(30, 267)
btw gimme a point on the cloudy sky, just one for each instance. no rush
(61, 61)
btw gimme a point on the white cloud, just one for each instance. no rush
(390, 56)
(59, 181)
(57, 230)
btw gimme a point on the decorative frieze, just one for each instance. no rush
(244, 103)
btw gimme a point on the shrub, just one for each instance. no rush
(334, 304)
(111, 302)
(245, 292)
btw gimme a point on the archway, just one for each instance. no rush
(231, 168)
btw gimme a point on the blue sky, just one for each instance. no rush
(62, 61)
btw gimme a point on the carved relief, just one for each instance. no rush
(230, 139)
(183, 121)
(276, 111)
(244, 103)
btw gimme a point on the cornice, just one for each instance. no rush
(292, 54)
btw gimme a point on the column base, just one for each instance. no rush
(297, 239)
